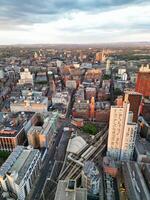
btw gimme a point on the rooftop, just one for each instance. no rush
(142, 146)
(49, 121)
(10, 160)
(12, 123)
(76, 144)
(65, 193)
(26, 160)
(18, 163)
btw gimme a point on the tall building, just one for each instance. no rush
(26, 77)
(18, 173)
(2, 74)
(122, 132)
(108, 65)
(135, 100)
(92, 108)
(143, 81)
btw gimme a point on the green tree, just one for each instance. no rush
(90, 128)
(117, 92)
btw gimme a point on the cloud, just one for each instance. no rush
(73, 21)
(32, 11)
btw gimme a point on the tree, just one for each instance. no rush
(106, 77)
(90, 128)
(117, 92)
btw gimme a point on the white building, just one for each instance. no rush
(76, 65)
(122, 132)
(108, 65)
(26, 77)
(59, 63)
(145, 68)
(30, 101)
(20, 170)
(124, 76)
(71, 84)
(2, 74)
(61, 98)
(121, 71)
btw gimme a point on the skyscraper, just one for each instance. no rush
(122, 132)
(135, 100)
(143, 80)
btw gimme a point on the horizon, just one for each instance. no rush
(76, 44)
(69, 22)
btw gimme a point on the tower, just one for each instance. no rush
(92, 108)
(122, 132)
(135, 100)
(108, 65)
(143, 80)
(35, 55)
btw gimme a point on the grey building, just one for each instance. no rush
(67, 190)
(19, 172)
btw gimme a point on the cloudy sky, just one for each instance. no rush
(74, 21)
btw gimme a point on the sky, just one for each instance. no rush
(74, 21)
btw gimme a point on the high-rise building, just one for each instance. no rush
(135, 100)
(108, 65)
(143, 81)
(92, 108)
(2, 74)
(122, 132)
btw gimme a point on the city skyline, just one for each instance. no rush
(82, 21)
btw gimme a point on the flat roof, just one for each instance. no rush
(142, 146)
(26, 164)
(10, 160)
(12, 123)
(20, 161)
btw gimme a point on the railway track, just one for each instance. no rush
(73, 170)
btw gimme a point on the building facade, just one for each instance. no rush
(30, 101)
(13, 129)
(122, 133)
(41, 136)
(143, 81)
(26, 77)
(135, 100)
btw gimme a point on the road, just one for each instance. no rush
(112, 88)
(54, 160)
(51, 183)
(47, 166)
(70, 106)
